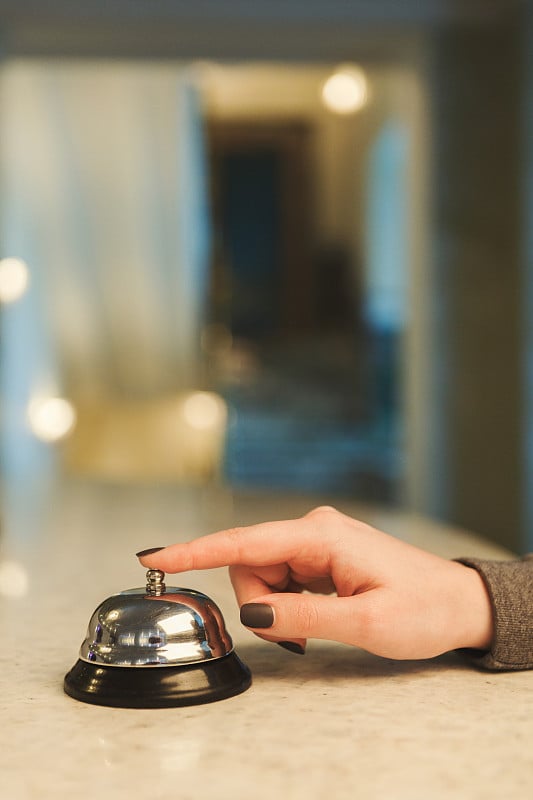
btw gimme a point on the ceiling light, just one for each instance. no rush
(345, 91)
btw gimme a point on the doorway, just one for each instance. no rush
(289, 289)
(263, 273)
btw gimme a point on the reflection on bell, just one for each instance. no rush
(154, 647)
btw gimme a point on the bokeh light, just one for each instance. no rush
(14, 279)
(13, 579)
(204, 410)
(51, 418)
(345, 91)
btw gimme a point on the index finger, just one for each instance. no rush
(254, 546)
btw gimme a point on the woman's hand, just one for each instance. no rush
(389, 597)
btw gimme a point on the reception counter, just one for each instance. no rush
(335, 723)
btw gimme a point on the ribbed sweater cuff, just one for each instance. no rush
(510, 588)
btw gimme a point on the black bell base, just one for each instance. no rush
(158, 687)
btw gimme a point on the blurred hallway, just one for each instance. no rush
(303, 422)
(361, 325)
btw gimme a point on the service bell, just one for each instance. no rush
(155, 646)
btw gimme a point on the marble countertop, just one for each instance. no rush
(337, 722)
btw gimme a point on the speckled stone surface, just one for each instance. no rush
(336, 723)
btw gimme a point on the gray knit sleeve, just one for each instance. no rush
(510, 587)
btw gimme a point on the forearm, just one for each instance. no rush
(510, 588)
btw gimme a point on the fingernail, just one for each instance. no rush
(292, 647)
(149, 551)
(257, 615)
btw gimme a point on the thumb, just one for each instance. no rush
(302, 616)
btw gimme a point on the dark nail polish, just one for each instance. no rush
(149, 551)
(257, 615)
(292, 647)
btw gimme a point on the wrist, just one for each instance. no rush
(477, 628)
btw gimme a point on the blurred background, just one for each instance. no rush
(272, 246)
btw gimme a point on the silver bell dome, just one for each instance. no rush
(156, 626)
(153, 647)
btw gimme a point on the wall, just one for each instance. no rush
(104, 195)
(527, 307)
(477, 373)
